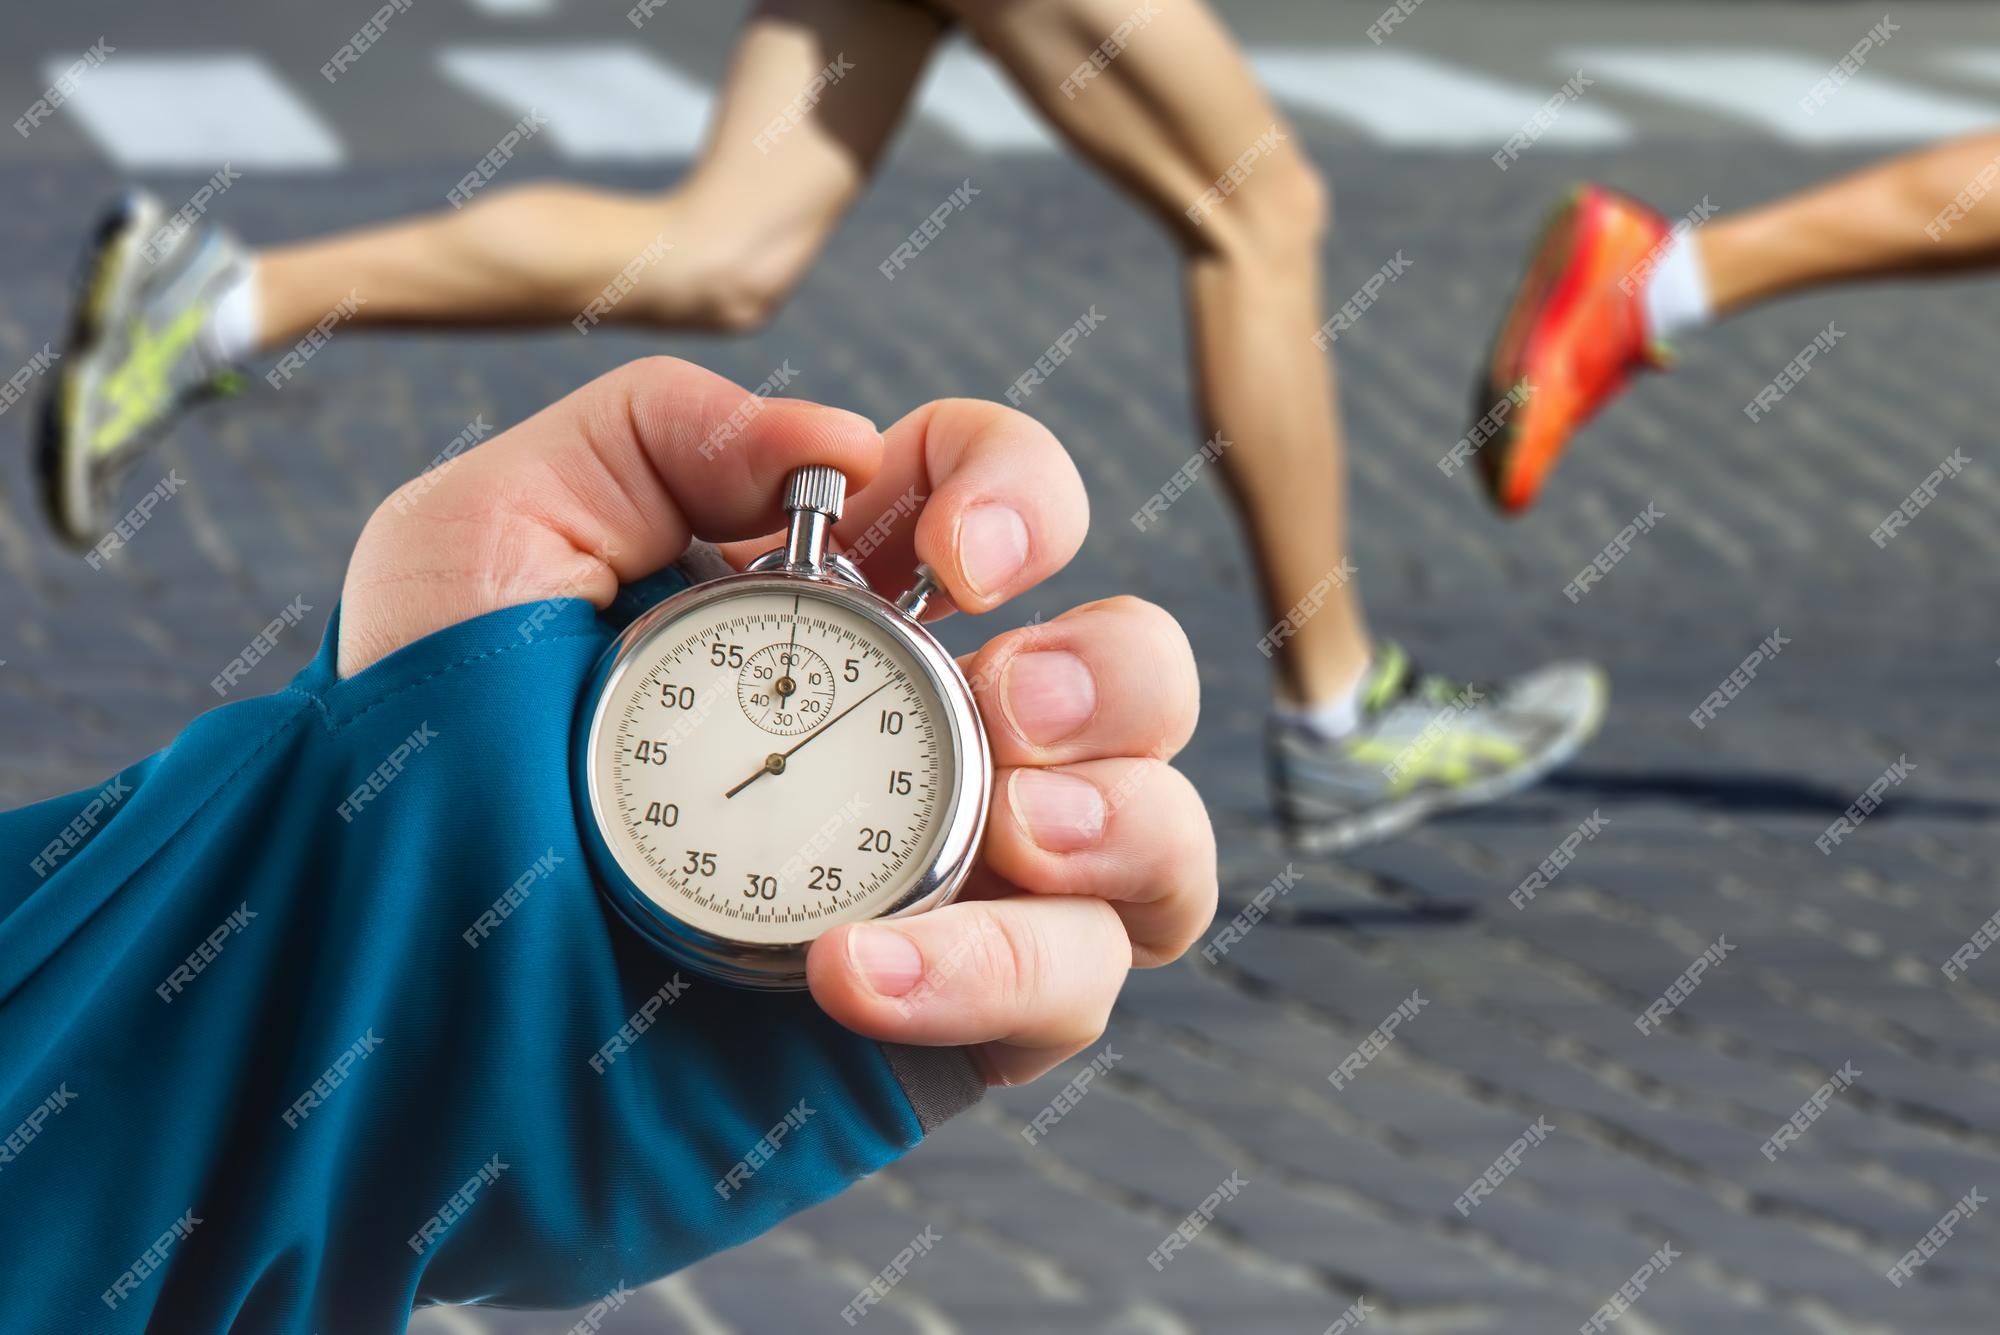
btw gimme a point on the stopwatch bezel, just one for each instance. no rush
(945, 870)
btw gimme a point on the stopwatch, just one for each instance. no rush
(770, 754)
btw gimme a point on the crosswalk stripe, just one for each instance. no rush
(515, 9)
(196, 111)
(972, 98)
(1410, 100)
(1981, 62)
(1774, 90)
(602, 100)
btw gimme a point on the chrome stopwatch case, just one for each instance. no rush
(770, 754)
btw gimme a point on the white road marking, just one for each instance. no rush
(975, 101)
(515, 9)
(1770, 89)
(197, 111)
(1415, 101)
(602, 100)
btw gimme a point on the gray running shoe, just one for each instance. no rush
(1427, 744)
(136, 355)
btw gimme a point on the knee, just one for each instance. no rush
(1277, 216)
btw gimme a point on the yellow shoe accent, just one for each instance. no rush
(138, 389)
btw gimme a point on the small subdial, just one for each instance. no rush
(785, 689)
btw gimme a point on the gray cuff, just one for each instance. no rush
(701, 562)
(940, 1083)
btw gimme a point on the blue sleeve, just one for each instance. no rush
(318, 1015)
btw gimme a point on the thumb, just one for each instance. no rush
(603, 487)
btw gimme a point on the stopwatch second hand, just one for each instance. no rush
(776, 760)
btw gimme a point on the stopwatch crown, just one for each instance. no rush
(817, 488)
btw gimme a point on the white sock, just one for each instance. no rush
(1677, 292)
(232, 330)
(1330, 718)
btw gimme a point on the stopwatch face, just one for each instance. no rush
(770, 763)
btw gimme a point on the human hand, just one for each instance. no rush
(1097, 855)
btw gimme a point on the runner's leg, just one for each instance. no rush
(1168, 118)
(743, 224)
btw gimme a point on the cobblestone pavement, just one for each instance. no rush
(1222, 1067)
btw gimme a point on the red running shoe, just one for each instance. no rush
(1572, 337)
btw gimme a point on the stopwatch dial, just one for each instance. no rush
(785, 688)
(743, 812)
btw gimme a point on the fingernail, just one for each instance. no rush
(992, 547)
(885, 957)
(1060, 812)
(1047, 695)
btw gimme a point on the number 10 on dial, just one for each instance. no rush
(770, 754)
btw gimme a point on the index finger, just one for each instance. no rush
(983, 495)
